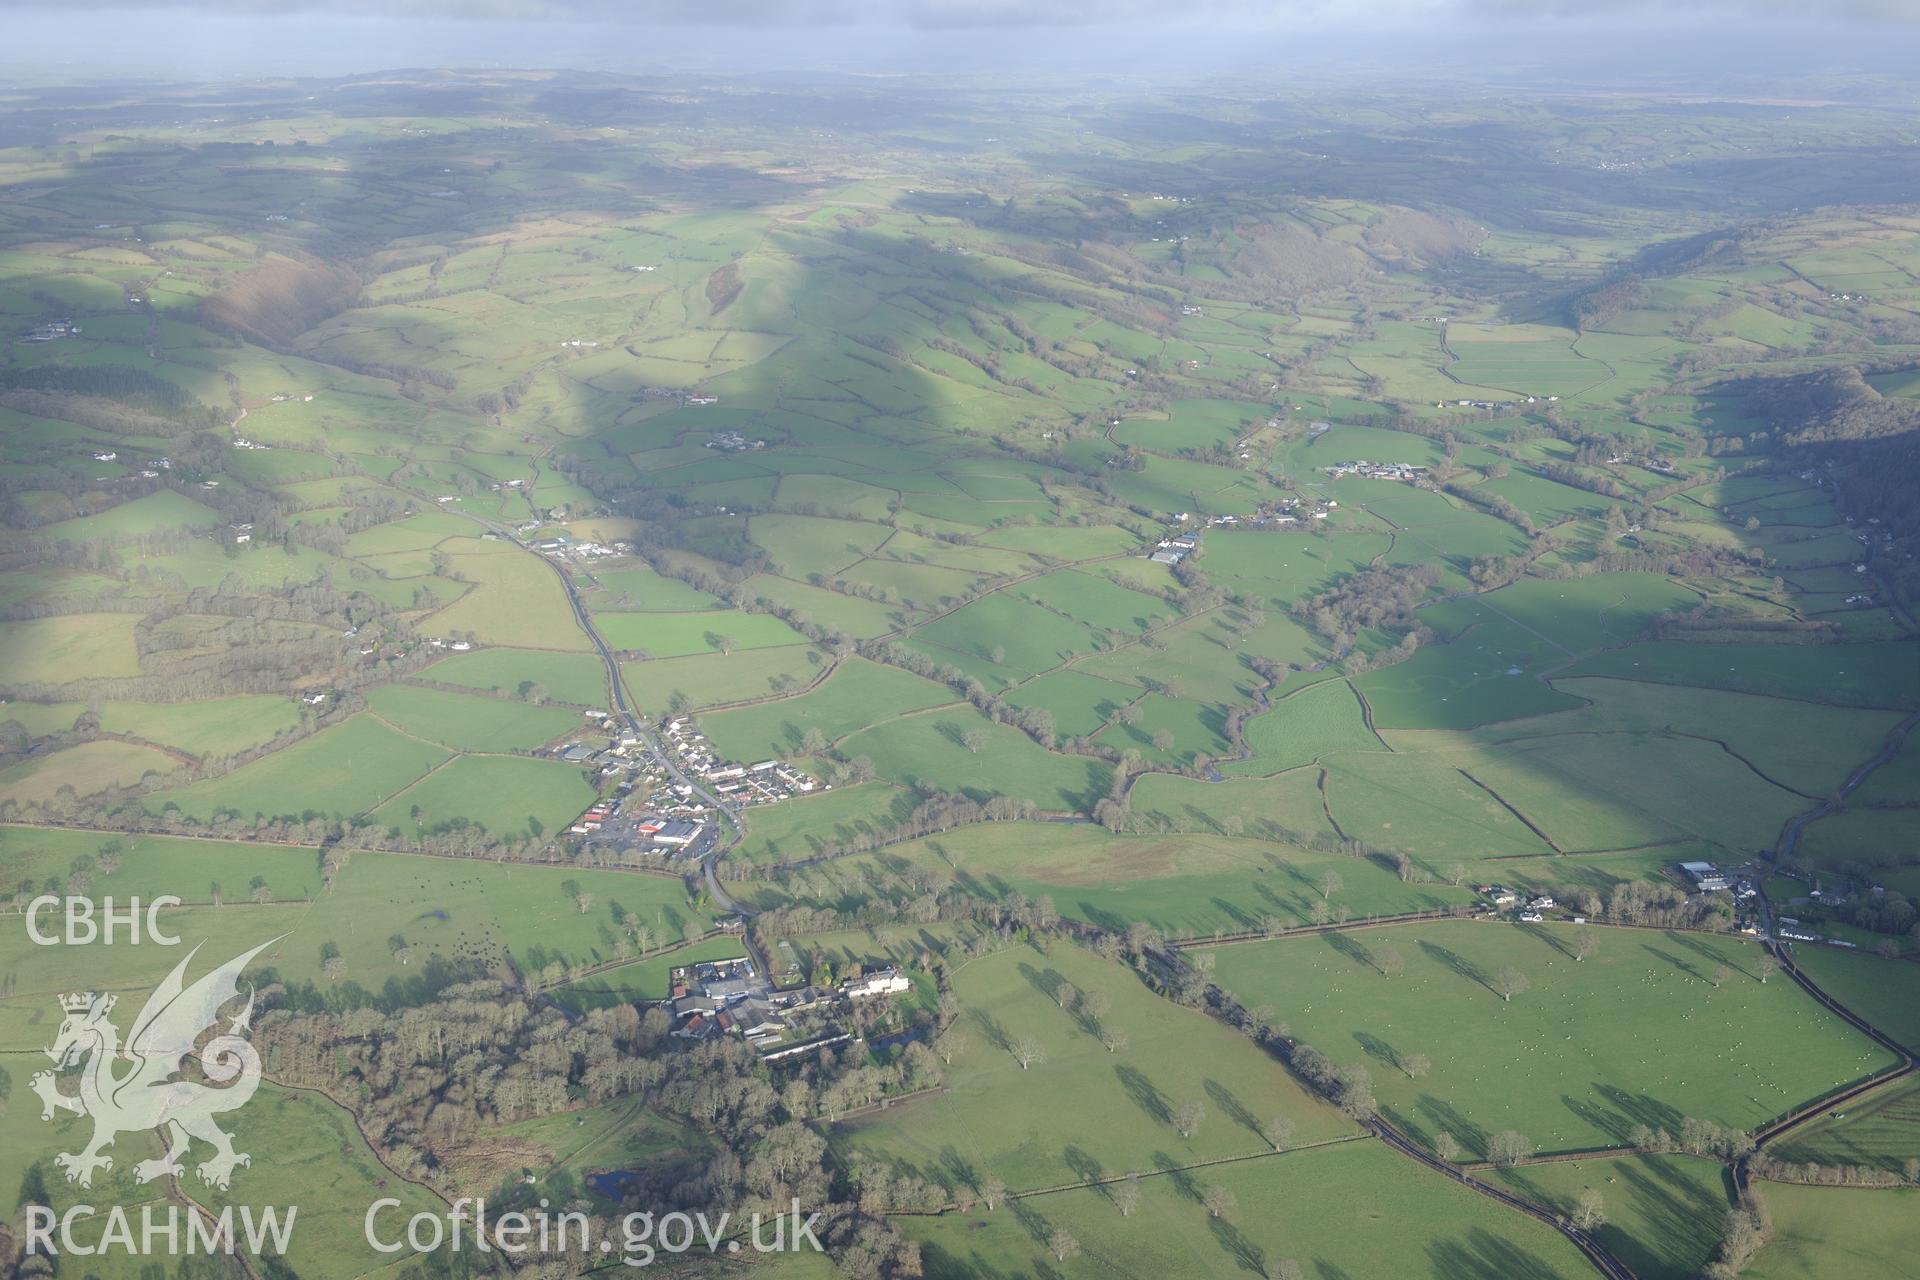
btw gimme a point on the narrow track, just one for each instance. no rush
(1797, 825)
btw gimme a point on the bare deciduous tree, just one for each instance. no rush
(1187, 1117)
(1026, 1051)
(1508, 1148)
(949, 1046)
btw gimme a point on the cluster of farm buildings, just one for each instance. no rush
(1645, 461)
(1178, 544)
(51, 332)
(558, 546)
(149, 470)
(1497, 404)
(1704, 877)
(717, 998)
(1529, 910)
(1173, 550)
(1408, 471)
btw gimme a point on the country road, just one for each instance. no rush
(618, 688)
(666, 759)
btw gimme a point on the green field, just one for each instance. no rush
(714, 679)
(1423, 806)
(929, 750)
(1661, 1211)
(1881, 991)
(154, 865)
(52, 650)
(856, 695)
(345, 769)
(216, 727)
(88, 768)
(1351, 1210)
(319, 1161)
(576, 678)
(469, 723)
(1026, 636)
(1856, 837)
(1181, 885)
(1827, 742)
(1880, 1130)
(1824, 1233)
(1084, 1108)
(456, 915)
(1487, 673)
(1871, 675)
(514, 600)
(1738, 1054)
(1586, 792)
(808, 826)
(1305, 726)
(504, 796)
(675, 635)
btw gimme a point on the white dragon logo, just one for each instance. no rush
(148, 1096)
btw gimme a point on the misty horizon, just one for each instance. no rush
(1770, 50)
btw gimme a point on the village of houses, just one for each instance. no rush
(653, 812)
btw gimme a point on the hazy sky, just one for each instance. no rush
(951, 13)
(52, 40)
